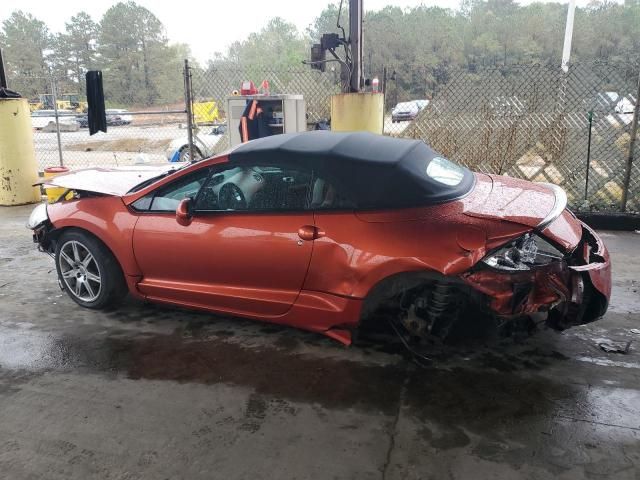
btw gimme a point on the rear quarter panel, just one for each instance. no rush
(360, 250)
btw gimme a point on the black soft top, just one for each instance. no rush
(374, 170)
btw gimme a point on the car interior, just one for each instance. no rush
(256, 188)
(245, 188)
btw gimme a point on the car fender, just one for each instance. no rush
(105, 217)
(390, 269)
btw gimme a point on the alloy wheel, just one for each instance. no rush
(185, 154)
(80, 271)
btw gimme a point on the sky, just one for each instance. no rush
(207, 26)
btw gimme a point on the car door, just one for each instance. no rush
(241, 252)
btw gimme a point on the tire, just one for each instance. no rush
(183, 153)
(88, 271)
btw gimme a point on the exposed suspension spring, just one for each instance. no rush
(440, 301)
(433, 311)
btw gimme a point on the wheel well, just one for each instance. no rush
(394, 285)
(434, 296)
(195, 147)
(55, 234)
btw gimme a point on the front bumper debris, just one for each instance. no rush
(574, 291)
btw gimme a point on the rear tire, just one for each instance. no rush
(88, 271)
(183, 154)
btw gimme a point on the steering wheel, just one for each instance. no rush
(208, 200)
(231, 197)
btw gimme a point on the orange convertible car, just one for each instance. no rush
(318, 230)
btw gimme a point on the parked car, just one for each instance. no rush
(612, 102)
(41, 119)
(319, 230)
(113, 117)
(116, 116)
(615, 108)
(405, 111)
(83, 120)
(203, 145)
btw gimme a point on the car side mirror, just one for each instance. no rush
(184, 212)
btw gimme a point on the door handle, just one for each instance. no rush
(310, 232)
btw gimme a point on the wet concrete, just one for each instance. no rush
(150, 392)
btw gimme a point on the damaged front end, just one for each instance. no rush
(41, 226)
(530, 275)
(44, 232)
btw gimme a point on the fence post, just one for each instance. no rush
(586, 179)
(54, 93)
(384, 79)
(632, 142)
(188, 101)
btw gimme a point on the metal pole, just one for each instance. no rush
(3, 75)
(384, 88)
(568, 36)
(188, 102)
(384, 79)
(54, 93)
(355, 37)
(586, 181)
(395, 89)
(632, 142)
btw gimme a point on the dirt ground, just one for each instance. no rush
(156, 393)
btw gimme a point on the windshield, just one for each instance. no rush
(151, 180)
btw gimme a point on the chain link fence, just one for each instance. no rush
(136, 134)
(534, 122)
(212, 87)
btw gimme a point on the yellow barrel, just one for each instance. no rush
(18, 166)
(54, 193)
(352, 112)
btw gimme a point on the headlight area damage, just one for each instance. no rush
(40, 225)
(44, 232)
(530, 275)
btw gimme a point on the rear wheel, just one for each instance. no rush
(425, 310)
(88, 271)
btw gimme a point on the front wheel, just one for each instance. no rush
(88, 271)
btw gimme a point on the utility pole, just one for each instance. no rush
(568, 36)
(355, 37)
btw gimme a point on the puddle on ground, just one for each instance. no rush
(487, 383)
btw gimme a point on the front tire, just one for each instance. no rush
(88, 271)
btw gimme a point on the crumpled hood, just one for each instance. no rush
(109, 181)
(519, 201)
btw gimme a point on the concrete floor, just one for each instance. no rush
(149, 392)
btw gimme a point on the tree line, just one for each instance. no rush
(128, 44)
(141, 67)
